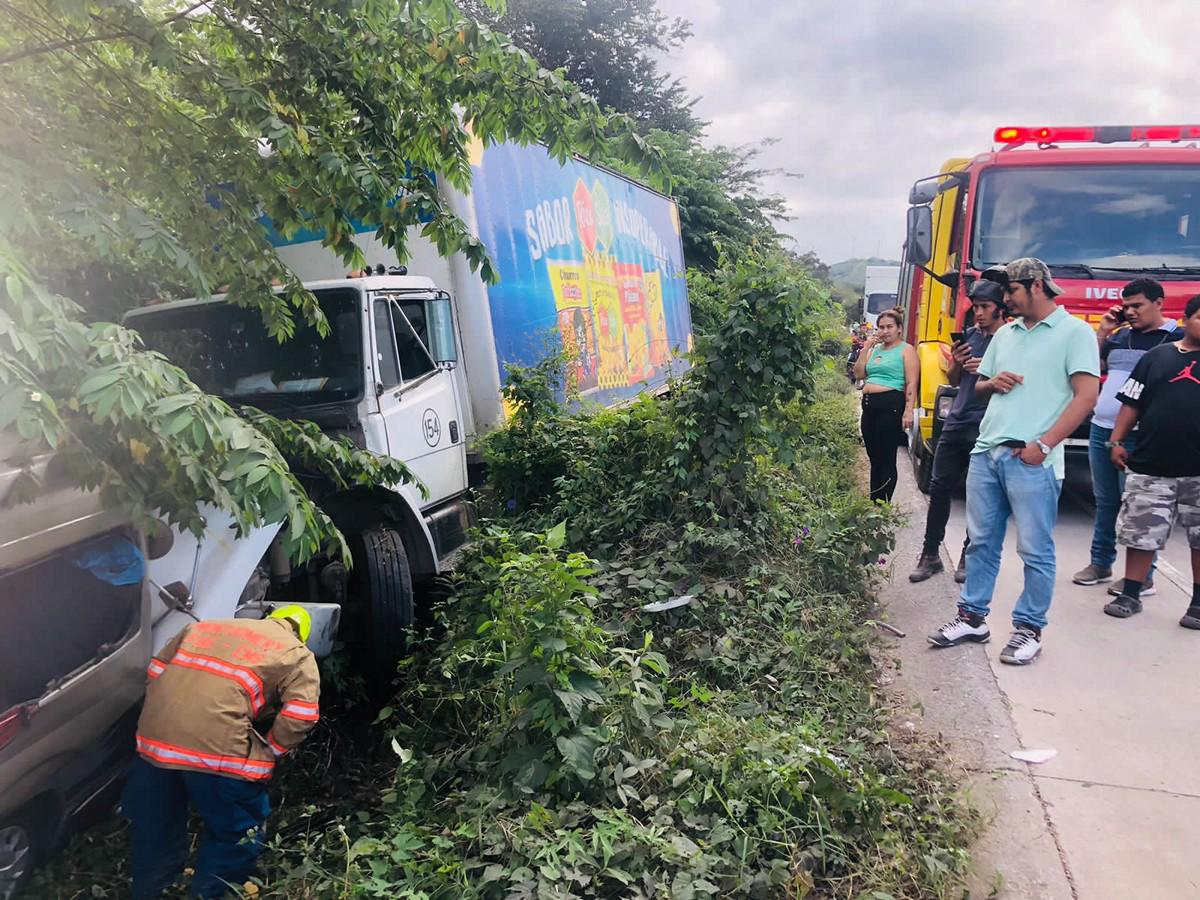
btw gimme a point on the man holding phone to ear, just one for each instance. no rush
(1126, 334)
(961, 428)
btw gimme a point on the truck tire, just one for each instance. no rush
(383, 589)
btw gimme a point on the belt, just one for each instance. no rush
(1017, 444)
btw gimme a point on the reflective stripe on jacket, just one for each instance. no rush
(213, 683)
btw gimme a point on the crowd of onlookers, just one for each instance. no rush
(1029, 375)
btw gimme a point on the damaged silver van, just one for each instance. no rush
(74, 645)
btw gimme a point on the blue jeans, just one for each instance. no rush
(1108, 485)
(156, 802)
(1000, 485)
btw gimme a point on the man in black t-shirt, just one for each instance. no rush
(1121, 346)
(1162, 396)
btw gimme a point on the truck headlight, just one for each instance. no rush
(944, 403)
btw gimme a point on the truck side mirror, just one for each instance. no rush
(440, 318)
(924, 191)
(159, 540)
(920, 235)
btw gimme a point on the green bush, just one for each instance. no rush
(690, 457)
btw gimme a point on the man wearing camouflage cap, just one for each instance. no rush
(1042, 373)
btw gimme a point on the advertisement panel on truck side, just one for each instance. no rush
(587, 258)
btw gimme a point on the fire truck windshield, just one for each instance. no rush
(1123, 218)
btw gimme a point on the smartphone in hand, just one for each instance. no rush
(958, 336)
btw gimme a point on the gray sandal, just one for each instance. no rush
(1191, 618)
(1125, 606)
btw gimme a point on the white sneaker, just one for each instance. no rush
(1023, 647)
(962, 628)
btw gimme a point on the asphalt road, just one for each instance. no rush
(1111, 814)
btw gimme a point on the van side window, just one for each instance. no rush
(58, 615)
(415, 360)
(387, 363)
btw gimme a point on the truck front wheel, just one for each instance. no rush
(381, 581)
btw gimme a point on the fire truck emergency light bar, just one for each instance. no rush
(1102, 134)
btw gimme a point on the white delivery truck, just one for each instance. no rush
(880, 288)
(413, 366)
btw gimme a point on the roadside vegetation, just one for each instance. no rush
(651, 675)
(650, 678)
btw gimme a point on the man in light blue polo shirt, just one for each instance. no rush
(1042, 373)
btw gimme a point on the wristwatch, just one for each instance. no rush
(1108, 445)
(1043, 446)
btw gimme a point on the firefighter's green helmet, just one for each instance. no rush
(298, 616)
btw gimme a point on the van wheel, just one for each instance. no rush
(383, 590)
(20, 848)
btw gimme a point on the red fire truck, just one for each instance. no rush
(1100, 205)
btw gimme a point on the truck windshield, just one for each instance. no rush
(1129, 217)
(226, 350)
(877, 303)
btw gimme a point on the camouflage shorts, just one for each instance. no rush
(1150, 507)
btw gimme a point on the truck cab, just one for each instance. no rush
(386, 376)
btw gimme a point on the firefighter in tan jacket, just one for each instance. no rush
(202, 742)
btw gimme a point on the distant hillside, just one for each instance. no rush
(853, 272)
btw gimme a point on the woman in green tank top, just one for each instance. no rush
(888, 369)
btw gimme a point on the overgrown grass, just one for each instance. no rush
(652, 679)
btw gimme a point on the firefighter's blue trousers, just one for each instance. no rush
(233, 811)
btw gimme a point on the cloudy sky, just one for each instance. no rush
(866, 96)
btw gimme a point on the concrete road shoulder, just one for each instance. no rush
(953, 693)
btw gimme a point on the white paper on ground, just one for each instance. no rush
(1034, 756)
(673, 603)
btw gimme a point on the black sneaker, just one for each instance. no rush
(1023, 647)
(1191, 618)
(1123, 607)
(927, 567)
(963, 628)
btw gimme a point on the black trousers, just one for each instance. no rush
(882, 433)
(950, 461)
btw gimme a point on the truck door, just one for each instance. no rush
(418, 399)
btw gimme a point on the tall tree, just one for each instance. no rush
(606, 47)
(152, 136)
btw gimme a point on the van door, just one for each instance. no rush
(418, 398)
